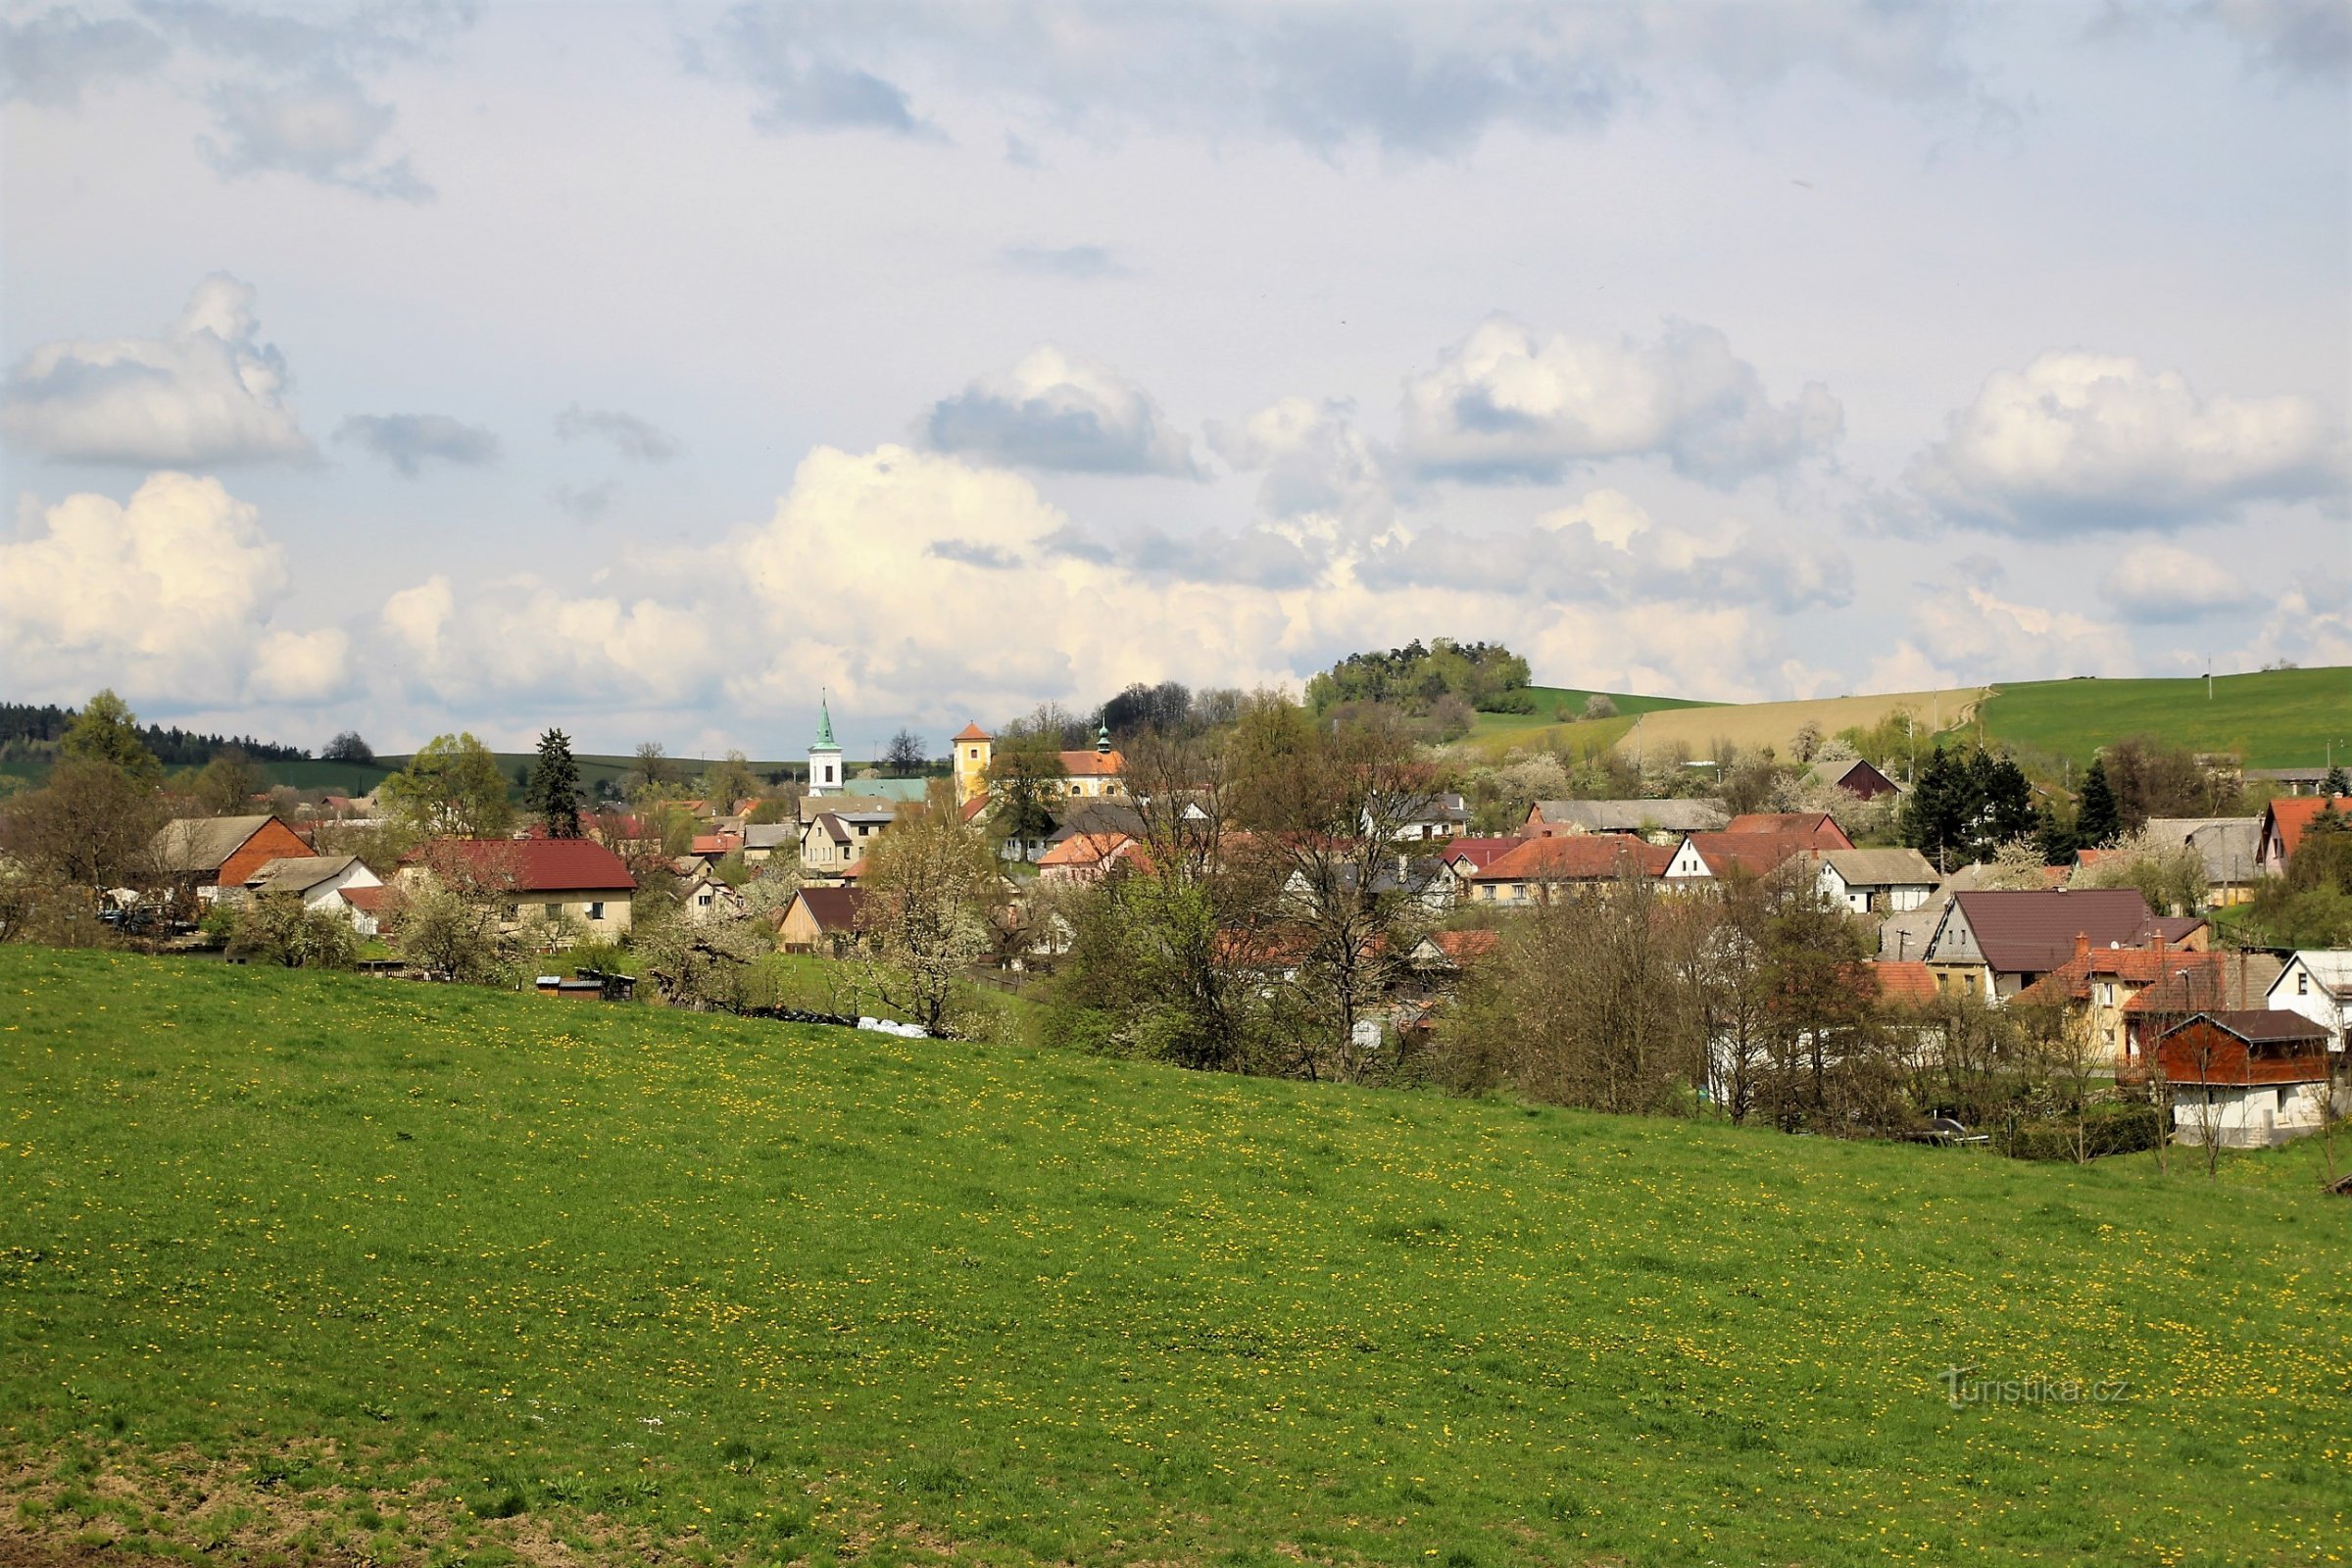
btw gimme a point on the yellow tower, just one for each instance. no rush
(973, 748)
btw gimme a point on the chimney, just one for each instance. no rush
(2082, 944)
(2161, 943)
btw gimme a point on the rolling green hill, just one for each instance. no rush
(1499, 733)
(397, 1270)
(2274, 718)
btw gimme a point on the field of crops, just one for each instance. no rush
(2272, 718)
(296, 1262)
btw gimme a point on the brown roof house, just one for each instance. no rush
(1996, 944)
(821, 920)
(2246, 1079)
(202, 855)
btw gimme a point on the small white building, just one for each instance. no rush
(320, 881)
(1876, 881)
(2317, 983)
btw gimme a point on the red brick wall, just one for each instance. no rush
(275, 841)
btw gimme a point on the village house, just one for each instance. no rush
(1996, 944)
(1440, 958)
(2246, 1079)
(762, 840)
(2114, 993)
(1464, 855)
(821, 920)
(707, 897)
(1876, 881)
(1703, 856)
(199, 856)
(832, 843)
(542, 881)
(1659, 821)
(1855, 776)
(1541, 870)
(2231, 847)
(1084, 857)
(2317, 983)
(322, 882)
(1429, 817)
(2285, 821)
(2289, 780)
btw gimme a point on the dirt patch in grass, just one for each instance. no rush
(278, 1506)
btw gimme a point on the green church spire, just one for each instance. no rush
(824, 724)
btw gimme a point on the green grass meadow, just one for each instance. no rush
(387, 1272)
(2272, 718)
(1497, 733)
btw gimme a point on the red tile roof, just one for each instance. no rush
(2288, 818)
(2132, 967)
(540, 865)
(1577, 858)
(1904, 983)
(1756, 852)
(370, 901)
(1095, 849)
(1819, 827)
(1479, 852)
(1462, 946)
(1092, 765)
(974, 732)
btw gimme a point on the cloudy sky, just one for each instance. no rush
(645, 369)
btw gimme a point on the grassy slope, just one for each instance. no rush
(2274, 718)
(633, 1276)
(1497, 733)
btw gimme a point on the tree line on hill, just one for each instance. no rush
(30, 731)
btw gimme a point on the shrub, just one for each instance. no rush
(2120, 1129)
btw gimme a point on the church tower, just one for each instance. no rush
(824, 756)
(974, 749)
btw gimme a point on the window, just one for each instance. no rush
(703, 900)
(596, 910)
(2303, 982)
(513, 911)
(555, 911)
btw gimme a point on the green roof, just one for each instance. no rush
(825, 727)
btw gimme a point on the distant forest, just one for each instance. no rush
(29, 731)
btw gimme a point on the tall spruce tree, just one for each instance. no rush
(2096, 820)
(2003, 802)
(554, 792)
(1936, 809)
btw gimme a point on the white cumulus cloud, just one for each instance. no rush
(206, 391)
(163, 594)
(2163, 582)
(1506, 405)
(2080, 441)
(1972, 636)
